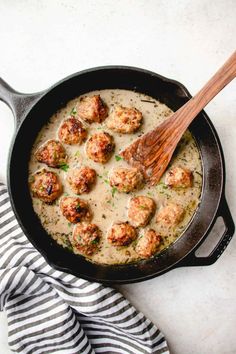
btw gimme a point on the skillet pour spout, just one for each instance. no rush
(32, 111)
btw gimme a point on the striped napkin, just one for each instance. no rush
(54, 312)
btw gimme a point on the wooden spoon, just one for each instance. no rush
(153, 151)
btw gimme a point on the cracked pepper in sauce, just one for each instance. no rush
(107, 204)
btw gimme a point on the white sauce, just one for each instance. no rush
(108, 207)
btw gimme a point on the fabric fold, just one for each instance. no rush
(49, 311)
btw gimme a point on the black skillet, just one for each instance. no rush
(32, 111)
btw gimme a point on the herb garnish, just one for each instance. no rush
(113, 191)
(148, 101)
(31, 179)
(163, 185)
(64, 167)
(95, 242)
(73, 111)
(118, 157)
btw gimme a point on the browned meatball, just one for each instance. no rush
(81, 179)
(92, 109)
(125, 120)
(148, 244)
(85, 238)
(71, 132)
(170, 215)
(75, 209)
(100, 147)
(52, 153)
(121, 234)
(179, 177)
(46, 185)
(141, 210)
(126, 179)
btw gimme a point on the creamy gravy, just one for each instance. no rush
(108, 205)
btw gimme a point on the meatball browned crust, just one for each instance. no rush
(81, 179)
(100, 147)
(46, 185)
(140, 210)
(121, 234)
(170, 215)
(52, 153)
(125, 120)
(179, 177)
(92, 109)
(126, 179)
(75, 209)
(85, 238)
(148, 244)
(72, 132)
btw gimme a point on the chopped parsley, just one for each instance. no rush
(31, 179)
(73, 111)
(118, 158)
(113, 191)
(163, 185)
(64, 167)
(95, 242)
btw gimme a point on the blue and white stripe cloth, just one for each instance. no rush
(54, 312)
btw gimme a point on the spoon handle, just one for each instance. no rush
(218, 81)
(152, 152)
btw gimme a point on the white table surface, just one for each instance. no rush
(44, 41)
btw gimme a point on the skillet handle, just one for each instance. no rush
(19, 103)
(192, 260)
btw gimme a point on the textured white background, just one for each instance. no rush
(44, 41)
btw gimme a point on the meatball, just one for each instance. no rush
(46, 185)
(52, 153)
(92, 109)
(71, 132)
(148, 244)
(85, 238)
(125, 120)
(100, 147)
(140, 210)
(126, 179)
(81, 179)
(179, 177)
(75, 209)
(170, 215)
(121, 234)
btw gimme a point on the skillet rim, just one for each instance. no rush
(214, 135)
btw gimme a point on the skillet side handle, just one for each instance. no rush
(191, 260)
(19, 103)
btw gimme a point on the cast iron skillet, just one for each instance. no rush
(32, 111)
